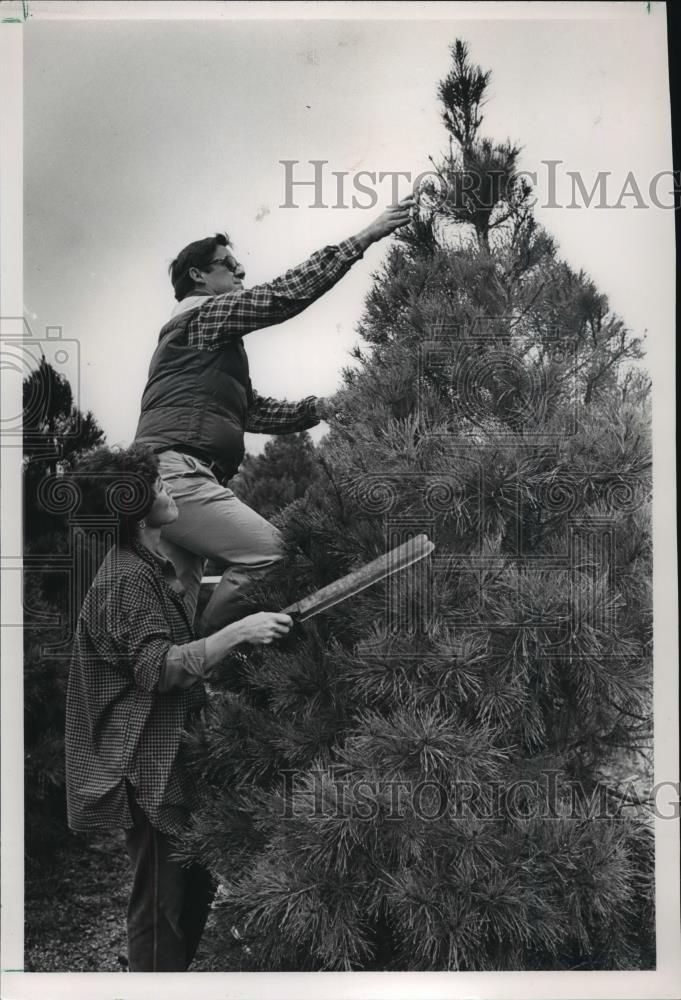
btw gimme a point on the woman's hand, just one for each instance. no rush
(265, 626)
(259, 629)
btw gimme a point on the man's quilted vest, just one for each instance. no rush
(196, 400)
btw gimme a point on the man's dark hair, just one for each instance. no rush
(197, 254)
(119, 482)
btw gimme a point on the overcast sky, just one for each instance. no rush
(143, 135)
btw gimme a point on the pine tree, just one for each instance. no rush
(434, 775)
(55, 433)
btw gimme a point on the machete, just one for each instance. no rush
(347, 586)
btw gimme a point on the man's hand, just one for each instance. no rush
(388, 221)
(324, 408)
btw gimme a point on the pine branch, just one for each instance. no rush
(339, 496)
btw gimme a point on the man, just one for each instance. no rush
(199, 401)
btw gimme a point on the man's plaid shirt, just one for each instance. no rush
(222, 317)
(119, 726)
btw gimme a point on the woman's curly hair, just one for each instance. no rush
(119, 482)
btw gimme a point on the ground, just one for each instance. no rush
(75, 905)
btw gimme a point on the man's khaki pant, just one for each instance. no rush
(214, 524)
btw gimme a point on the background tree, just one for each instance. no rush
(281, 474)
(55, 433)
(435, 775)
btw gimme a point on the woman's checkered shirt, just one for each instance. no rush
(118, 726)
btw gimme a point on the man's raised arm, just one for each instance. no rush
(245, 310)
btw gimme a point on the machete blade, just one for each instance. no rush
(387, 565)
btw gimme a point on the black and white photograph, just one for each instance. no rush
(339, 566)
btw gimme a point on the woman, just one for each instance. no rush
(135, 682)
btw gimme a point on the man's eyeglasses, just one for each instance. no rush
(228, 262)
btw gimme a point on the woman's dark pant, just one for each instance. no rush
(168, 905)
